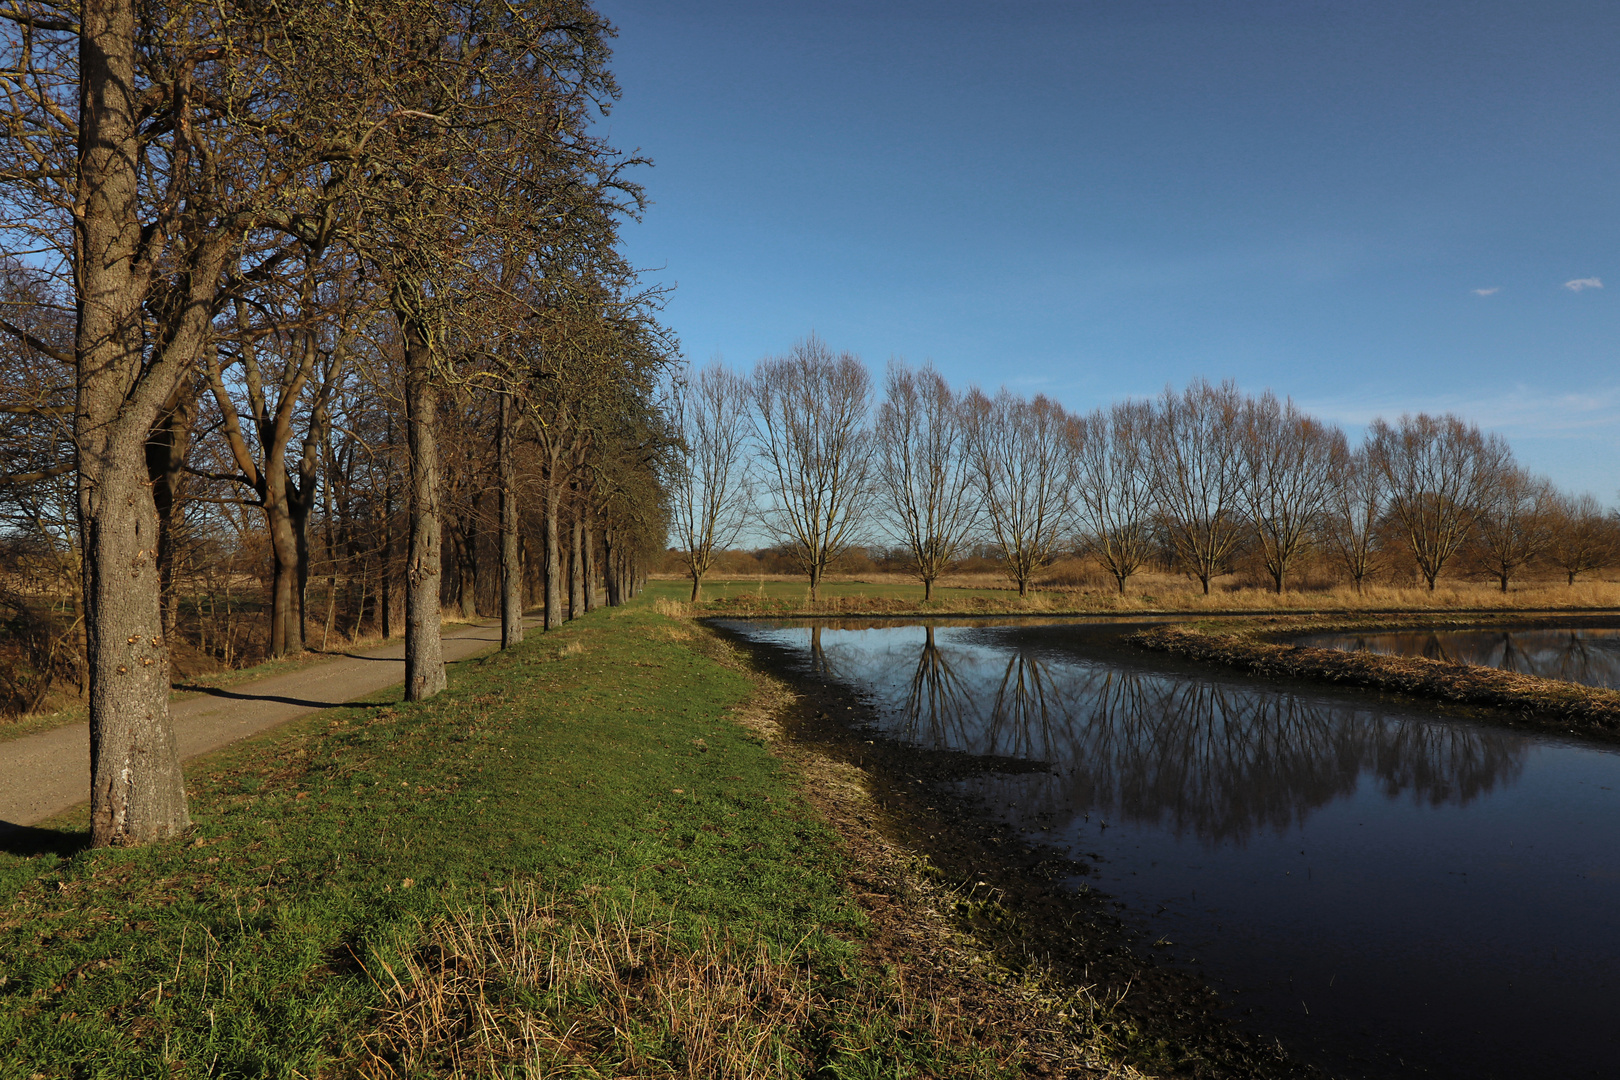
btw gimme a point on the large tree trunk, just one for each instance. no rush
(165, 469)
(576, 568)
(610, 569)
(424, 651)
(511, 552)
(385, 595)
(136, 791)
(591, 601)
(553, 554)
(284, 556)
(298, 512)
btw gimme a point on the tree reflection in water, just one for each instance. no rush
(1215, 759)
(1587, 656)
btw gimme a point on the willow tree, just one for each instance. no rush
(1357, 499)
(815, 449)
(1288, 472)
(1439, 472)
(1113, 487)
(924, 476)
(710, 490)
(1198, 475)
(1584, 538)
(1018, 452)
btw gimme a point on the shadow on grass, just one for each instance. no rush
(26, 840)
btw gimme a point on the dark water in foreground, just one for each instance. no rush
(1588, 656)
(1390, 891)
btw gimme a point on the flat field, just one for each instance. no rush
(1146, 594)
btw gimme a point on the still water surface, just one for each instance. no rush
(1589, 656)
(1391, 891)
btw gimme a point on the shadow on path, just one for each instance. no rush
(28, 840)
(238, 695)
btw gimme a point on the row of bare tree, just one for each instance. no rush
(794, 450)
(270, 257)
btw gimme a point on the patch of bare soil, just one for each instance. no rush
(1525, 700)
(966, 913)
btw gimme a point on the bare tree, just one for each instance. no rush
(810, 411)
(124, 157)
(924, 480)
(1017, 451)
(1113, 487)
(1198, 475)
(1438, 471)
(710, 491)
(1583, 538)
(1358, 498)
(1288, 460)
(1514, 523)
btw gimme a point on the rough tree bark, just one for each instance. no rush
(136, 790)
(424, 650)
(589, 526)
(511, 553)
(576, 566)
(553, 552)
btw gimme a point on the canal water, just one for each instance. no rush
(1583, 655)
(1386, 889)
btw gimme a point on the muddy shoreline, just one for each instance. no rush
(1018, 900)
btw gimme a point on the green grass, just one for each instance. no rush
(594, 766)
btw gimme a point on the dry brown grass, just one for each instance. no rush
(528, 983)
(1154, 594)
(541, 987)
(674, 609)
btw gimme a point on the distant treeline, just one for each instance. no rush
(1196, 481)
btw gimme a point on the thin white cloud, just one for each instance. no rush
(1517, 411)
(1583, 283)
(1492, 291)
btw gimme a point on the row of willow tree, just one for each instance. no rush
(795, 450)
(351, 269)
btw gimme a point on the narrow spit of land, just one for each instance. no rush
(47, 772)
(595, 853)
(1261, 648)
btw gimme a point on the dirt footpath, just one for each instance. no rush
(45, 774)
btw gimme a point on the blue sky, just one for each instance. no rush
(1370, 206)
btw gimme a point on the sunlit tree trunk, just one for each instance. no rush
(136, 791)
(424, 649)
(511, 553)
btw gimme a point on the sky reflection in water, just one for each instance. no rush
(1588, 656)
(1393, 890)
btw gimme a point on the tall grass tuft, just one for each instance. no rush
(534, 986)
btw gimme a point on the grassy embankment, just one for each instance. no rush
(1148, 594)
(1253, 647)
(583, 857)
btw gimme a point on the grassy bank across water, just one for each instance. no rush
(1149, 595)
(1545, 703)
(583, 858)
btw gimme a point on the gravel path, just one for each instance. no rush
(45, 774)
